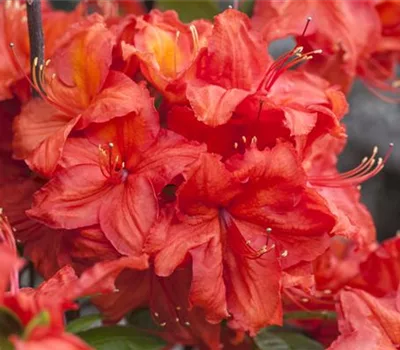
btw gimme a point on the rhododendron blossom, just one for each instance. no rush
(185, 182)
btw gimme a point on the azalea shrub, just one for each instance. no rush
(174, 175)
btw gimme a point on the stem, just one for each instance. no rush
(36, 40)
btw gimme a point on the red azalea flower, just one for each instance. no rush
(14, 29)
(49, 301)
(240, 93)
(346, 31)
(113, 179)
(381, 270)
(367, 322)
(341, 190)
(168, 50)
(238, 222)
(83, 90)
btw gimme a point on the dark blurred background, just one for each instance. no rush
(370, 122)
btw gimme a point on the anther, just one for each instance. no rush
(248, 242)
(244, 139)
(187, 324)
(309, 19)
(235, 145)
(177, 320)
(163, 324)
(305, 300)
(178, 308)
(12, 45)
(254, 140)
(268, 229)
(327, 292)
(284, 253)
(110, 144)
(156, 314)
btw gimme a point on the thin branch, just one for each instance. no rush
(36, 40)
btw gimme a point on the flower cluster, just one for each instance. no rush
(183, 163)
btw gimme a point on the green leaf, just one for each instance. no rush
(190, 10)
(120, 338)
(83, 323)
(9, 323)
(310, 315)
(282, 340)
(41, 319)
(142, 319)
(5, 344)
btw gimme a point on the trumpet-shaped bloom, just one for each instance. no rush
(168, 50)
(113, 179)
(78, 89)
(346, 31)
(14, 29)
(233, 222)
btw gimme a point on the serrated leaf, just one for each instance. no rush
(267, 340)
(9, 323)
(120, 338)
(82, 323)
(190, 10)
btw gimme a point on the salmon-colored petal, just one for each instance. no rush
(119, 96)
(72, 199)
(63, 341)
(214, 105)
(82, 62)
(40, 132)
(128, 214)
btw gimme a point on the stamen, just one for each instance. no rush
(177, 35)
(37, 83)
(309, 19)
(284, 63)
(368, 168)
(195, 37)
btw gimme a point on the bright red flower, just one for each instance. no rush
(52, 298)
(14, 29)
(299, 108)
(114, 177)
(240, 93)
(239, 223)
(381, 270)
(346, 31)
(367, 322)
(231, 68)
(82, 91)
(168, 50)
(341, 191)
